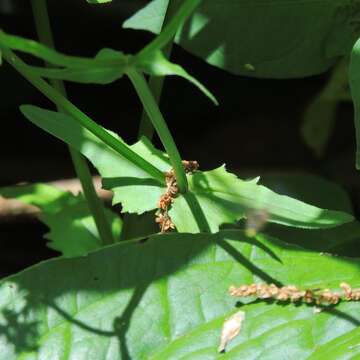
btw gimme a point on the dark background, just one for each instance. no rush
(255, 130)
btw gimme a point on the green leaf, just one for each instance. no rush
(307, 37)
(150, 18)
(98, 1)
(355, 93)
(96, 74)
(310, 188)
(157, 64)
(132, 186)
(215, 197)
(72, 228)
(340, 348)
(320, 114)
(167, 299)
(315, 190)
(139, 226)
(219, 197)
(76, 132)
(46, 53)
(107, 66)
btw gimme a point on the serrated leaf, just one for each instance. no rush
(219, 197)
(132, 186)
(157, 64)
(72, 228)
(167, 299)
(307, 37)
(215, 197)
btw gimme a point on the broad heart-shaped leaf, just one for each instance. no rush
(271, 39)
(72, 228)
(167, 298)
(215, 197)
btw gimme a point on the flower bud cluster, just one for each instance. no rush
(293, 294)
(162, 217)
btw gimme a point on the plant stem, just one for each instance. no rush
(156, 83)
(185, 10)
(53, 95)
(96, 207)
(153, 111)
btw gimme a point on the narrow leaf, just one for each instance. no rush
(355, 93)
(218, 197)
(74, 133)
(104, 73)
(157, 64)
(132, 185)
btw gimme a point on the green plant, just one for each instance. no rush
(144, 294)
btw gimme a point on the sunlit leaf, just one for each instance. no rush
(218, 197)
(168, 298)
(72, 228)
(132, 186)
(215, 196)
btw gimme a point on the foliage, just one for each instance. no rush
(67, 216)
(307, 37)
(156, 300)
(165, 296)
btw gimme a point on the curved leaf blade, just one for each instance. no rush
(132, 186)
(167, 299)
(157, 64)
(307, 37)
(215, 197)
(224, 198)
(355, 93)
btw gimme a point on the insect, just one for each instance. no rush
(255, 221)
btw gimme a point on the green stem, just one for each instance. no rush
(96, 206)
(153, 111)
(53, 95)
(185, 10)
(156, 83)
